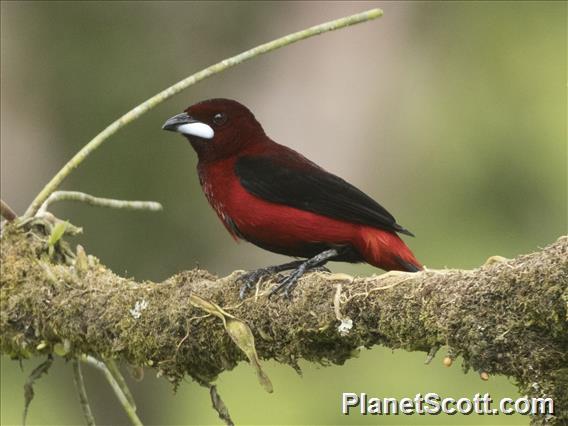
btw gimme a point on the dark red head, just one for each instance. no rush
(217, 128)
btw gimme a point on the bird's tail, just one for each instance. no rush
(387, 251)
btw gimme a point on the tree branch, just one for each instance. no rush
(508, 317)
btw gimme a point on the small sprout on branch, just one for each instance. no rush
(81, 260)
(56, 233)
(98, 201)
(433, 351)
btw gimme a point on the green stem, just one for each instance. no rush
(116, 387)
(146, 106)
(117, 375)
(80, 386)
(99, 202)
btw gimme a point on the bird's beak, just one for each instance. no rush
(186, 125)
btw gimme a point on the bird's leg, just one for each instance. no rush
(288, 283)
(250, 279)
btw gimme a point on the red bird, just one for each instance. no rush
(277, 199)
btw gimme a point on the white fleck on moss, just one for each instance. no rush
(139, 306)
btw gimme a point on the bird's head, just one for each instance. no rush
(217, 128)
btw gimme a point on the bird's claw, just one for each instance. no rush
(250, 279)
(320, 269)
(246, 286)
(286, 285)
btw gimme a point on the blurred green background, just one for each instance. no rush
(451, 114)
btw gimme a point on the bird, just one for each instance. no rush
(275, 198)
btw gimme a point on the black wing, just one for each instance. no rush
(304, 185)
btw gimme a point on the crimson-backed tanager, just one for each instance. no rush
(275, 198)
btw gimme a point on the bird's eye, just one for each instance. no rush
(220, 118)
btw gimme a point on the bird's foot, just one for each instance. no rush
(250, 279)
(320, 269)
(298, 267)
(287, 284)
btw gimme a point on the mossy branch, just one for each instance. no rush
(157, 99)
(508, 317)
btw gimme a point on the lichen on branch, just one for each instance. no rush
(508, 317)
